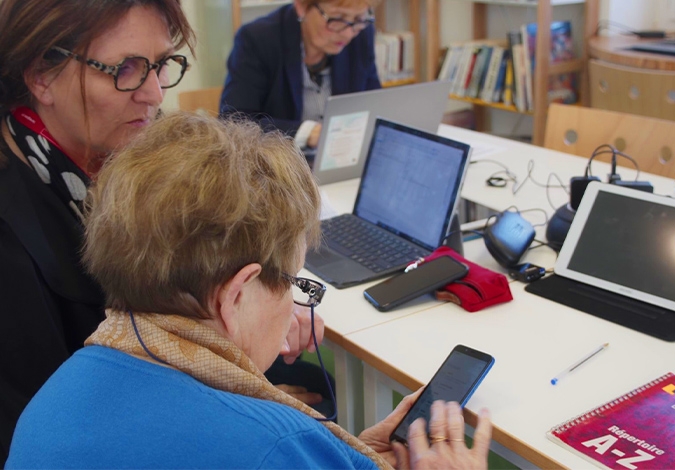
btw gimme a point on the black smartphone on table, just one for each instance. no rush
(426, 277)
(456, 380)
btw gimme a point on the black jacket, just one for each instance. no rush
(48, 305)
(265, 70)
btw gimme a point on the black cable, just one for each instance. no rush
(325, 373)
(475, 232)
(609, 149)
(530, 210)
(626, 30)
(138, 336)
(497, 181)
(606, 24)
(530, 169)
(541, 243)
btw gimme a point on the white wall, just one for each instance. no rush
(212, 22)
(640, 14)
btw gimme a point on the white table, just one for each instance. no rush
(531, 338)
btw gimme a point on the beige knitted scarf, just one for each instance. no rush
(200, 352)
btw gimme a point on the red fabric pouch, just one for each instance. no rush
(480, 288)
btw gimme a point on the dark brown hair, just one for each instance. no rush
(30, 28)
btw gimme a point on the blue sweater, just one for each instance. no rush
(106, 409)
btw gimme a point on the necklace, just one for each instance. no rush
(316, 69)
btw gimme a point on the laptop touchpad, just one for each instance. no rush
(333, 267)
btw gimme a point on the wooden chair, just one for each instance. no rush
(206, 100)
(579, 131)
(646, 92)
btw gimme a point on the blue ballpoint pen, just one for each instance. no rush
(578, 364)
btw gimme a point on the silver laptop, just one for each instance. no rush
(407, 196)
(349, 119)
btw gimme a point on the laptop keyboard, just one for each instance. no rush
(365, 243)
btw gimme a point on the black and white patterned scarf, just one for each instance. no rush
(54, 167)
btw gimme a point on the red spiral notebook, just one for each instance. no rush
(634, 431)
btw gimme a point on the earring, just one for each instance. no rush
(301, 19)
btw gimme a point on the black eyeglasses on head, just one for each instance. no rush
(130, 74)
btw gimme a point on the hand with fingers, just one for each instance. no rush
(301, 393)
(445, 447)
(299, 336)
(377, 437)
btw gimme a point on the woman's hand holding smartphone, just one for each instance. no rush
(456, 380)
(447, 425)
(447, 448)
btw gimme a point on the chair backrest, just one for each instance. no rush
(579, 131)
(646, 92)
(204, 100)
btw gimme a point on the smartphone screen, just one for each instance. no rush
(426, 278)
(456, 380)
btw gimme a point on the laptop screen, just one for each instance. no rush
(626, 243)
(411, 182)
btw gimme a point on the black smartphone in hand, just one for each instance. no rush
(425, 278)
(456, 380)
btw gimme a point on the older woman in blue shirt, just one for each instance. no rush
(196, 232)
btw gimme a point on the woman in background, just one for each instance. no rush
(78, 80)
(283, 66)
(196, 232)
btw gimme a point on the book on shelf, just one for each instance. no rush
(450, 62)
(528, 62)
(453, 67)
(498, 93)
(561, 88)
(443, 55)
(507, 93)
(473, 69)
(462, 69)
(492, 74)
(466, 80)
(633, 431)
(395, 55)
(519, 73)
(478, 72)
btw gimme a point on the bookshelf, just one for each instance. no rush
(543, 69)
(412, 14)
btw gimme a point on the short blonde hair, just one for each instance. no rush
(188, 204)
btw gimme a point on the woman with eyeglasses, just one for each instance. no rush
(196, 233)
(283, 66)
(78, 80)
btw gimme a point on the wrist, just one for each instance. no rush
(303, 133)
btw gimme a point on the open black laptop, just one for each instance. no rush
(408, 193)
